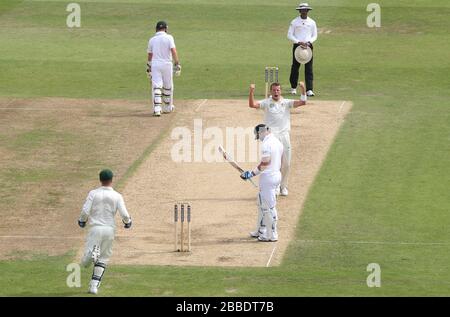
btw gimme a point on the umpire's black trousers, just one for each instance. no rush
(295, 70)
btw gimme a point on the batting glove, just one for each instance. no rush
(247, 175)
(82, 224)
(177, 69)
(127, 225)
(149, 69)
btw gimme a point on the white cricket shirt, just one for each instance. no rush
(277, 114)
(272, 147)
(302, 30)
(101, 206)
(160, 45)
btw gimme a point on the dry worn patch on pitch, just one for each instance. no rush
(223, 206)
(51, 150)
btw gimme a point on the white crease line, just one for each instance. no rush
(271, 256)
(118, 236)
(342, 105)
(225, 242)
(39, 237)
(200, 105)
(66, 237)
(37, 109)
(376, 242)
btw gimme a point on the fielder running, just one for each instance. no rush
(277, 115)
(99, 209)
(161, 50)
(269, 169)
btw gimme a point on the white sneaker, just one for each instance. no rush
(293, 91)
(284, 192)
(274, 237)
(157, 111)
(93, 287)
(277, 191)
(255, 234)
(263, 239)
(168, 109)
(95, 254)
(310, 93)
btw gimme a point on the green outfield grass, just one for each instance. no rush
(382, 193)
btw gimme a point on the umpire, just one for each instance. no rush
(302, 32)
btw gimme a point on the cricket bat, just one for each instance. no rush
(232, 162)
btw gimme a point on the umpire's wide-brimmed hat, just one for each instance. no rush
(303, 6)
(303, 55)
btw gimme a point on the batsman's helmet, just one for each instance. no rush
(106, 175)
(260, 128)
(161, 25)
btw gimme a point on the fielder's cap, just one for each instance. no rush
(260, 128)
(303, 6)
(303, 55)
(161, 25)
(106, 175)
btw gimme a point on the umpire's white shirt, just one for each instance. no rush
(101, 206)
(277, 114)
(160, 46)
(302, 30)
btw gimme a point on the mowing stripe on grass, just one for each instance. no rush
(374, 242)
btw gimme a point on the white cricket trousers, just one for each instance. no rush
(102, 236)
(285, 139)
(267, 202)
(162, 84)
